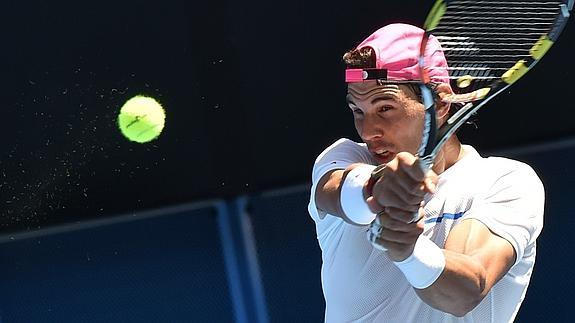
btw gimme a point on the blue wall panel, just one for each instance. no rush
(161, 269)
(289, 257)
(552, 289)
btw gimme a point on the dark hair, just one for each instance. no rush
(360, 58)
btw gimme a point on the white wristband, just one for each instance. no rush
(425, 264)
(351, 197)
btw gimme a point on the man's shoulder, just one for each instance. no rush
(345, 142)
(507, 165)
(344, 148)
(340, 155)
(497, 173)
(490, 170)
(496, 164)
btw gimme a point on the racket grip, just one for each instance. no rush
(373, 233)
(426, 163)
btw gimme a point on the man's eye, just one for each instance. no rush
(385, 108)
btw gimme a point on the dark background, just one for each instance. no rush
(253, 92)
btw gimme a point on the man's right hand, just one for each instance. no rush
(396, 198)
(403, 185)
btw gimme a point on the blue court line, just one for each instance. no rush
(440, 218)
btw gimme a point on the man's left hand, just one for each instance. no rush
(397, 235)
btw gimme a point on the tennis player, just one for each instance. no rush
(470, 256)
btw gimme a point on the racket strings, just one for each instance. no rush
(463, 43)
(537, 13)
(487, 34)
(538, 17)
(511, 10)
(469, 3)
(473, 26)
(491, 64)
(476, 49)
(471, 68)
(466, 54)
(504, 40)
(482, 40)
(498, 21)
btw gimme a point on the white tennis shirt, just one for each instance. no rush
(361, 284)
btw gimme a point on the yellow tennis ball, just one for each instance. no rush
(141, 119)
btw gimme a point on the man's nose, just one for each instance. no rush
(371, 128)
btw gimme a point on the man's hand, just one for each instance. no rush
(403, 184)
(397, 235)
(397, 197)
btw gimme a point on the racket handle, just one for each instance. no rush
(426, 163)
(374, 232)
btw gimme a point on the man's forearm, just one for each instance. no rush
(460, 287)
(328, 191)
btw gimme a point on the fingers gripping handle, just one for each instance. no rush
(375, 228)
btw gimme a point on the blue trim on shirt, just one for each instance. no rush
(440, 218)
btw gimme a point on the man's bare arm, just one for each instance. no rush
(475, 259)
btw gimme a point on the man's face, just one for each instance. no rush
(388, 118)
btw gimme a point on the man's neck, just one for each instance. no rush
(450, 154)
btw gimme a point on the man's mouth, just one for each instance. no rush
(382, 155)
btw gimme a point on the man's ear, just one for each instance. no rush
(442, 108)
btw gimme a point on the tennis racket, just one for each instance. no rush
(489, 45)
